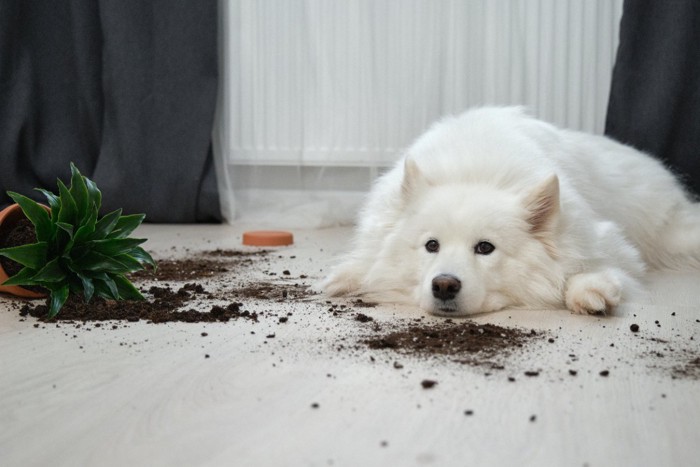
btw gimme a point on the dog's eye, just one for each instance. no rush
(432, 246)
(484, 248)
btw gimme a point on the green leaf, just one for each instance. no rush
(64, 238)
(79, 192)
(126, 225)
(88, 286)
(36, 214)
(87, 229)
(107, 288)
(127, 291)
(52, 272)
(69, 210)
(101, 275)
(32, 255)
(62, 242)
(105, 225)
(94, 194)
(75, 286)
(115, 246)
(112, 286)
(129, 262)
(93, 261)
(23, 277)
(142, 256)
(59, 295)
(68, 228)
(54, 202)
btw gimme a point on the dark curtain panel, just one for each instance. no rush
(655, 95)
(125, 89)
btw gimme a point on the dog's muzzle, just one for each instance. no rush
(446, 287)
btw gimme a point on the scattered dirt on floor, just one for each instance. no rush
(165, 303)
(162, 305)
(273, 291)
(673, 358)
(464, 342)
(200, 265)
(689, 369)
(215, 286)
(461, 341)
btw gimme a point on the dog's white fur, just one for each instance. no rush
(575, 219)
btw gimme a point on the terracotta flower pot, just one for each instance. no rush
(8, 219)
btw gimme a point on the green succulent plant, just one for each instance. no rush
(76, 252)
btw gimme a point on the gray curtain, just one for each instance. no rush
(126, 89)
(655, 95)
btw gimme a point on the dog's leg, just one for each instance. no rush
(595, 292)
(344, 280)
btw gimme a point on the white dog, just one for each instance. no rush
(495, 209)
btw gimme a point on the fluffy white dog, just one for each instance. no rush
(495, 209)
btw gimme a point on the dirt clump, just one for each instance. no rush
(167, 303)
(164, 305)
(273, 291)
(428, 383)
(201, 265)
(363, 318)
(464, 342)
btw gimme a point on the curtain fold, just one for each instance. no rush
(126, 90)
(655, 93)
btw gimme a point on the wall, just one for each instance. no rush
(319, 97)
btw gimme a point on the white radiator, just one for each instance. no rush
(312, 85)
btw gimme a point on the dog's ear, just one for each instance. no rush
(413, 178)
(542, 206)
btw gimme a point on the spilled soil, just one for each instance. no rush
(209, 289)
(216, 286)
(201, 265)
(166, 303)
(163, 305)
(690, 369)
(464, 341)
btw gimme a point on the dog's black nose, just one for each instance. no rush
(446, 287)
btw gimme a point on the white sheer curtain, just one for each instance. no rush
(319, 96)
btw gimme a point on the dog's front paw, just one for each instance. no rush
(344, 280)
(593, 293)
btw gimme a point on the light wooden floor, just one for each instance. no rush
(145, 394)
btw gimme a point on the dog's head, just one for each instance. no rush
(479, 248)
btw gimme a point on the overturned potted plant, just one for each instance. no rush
(74, 251)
